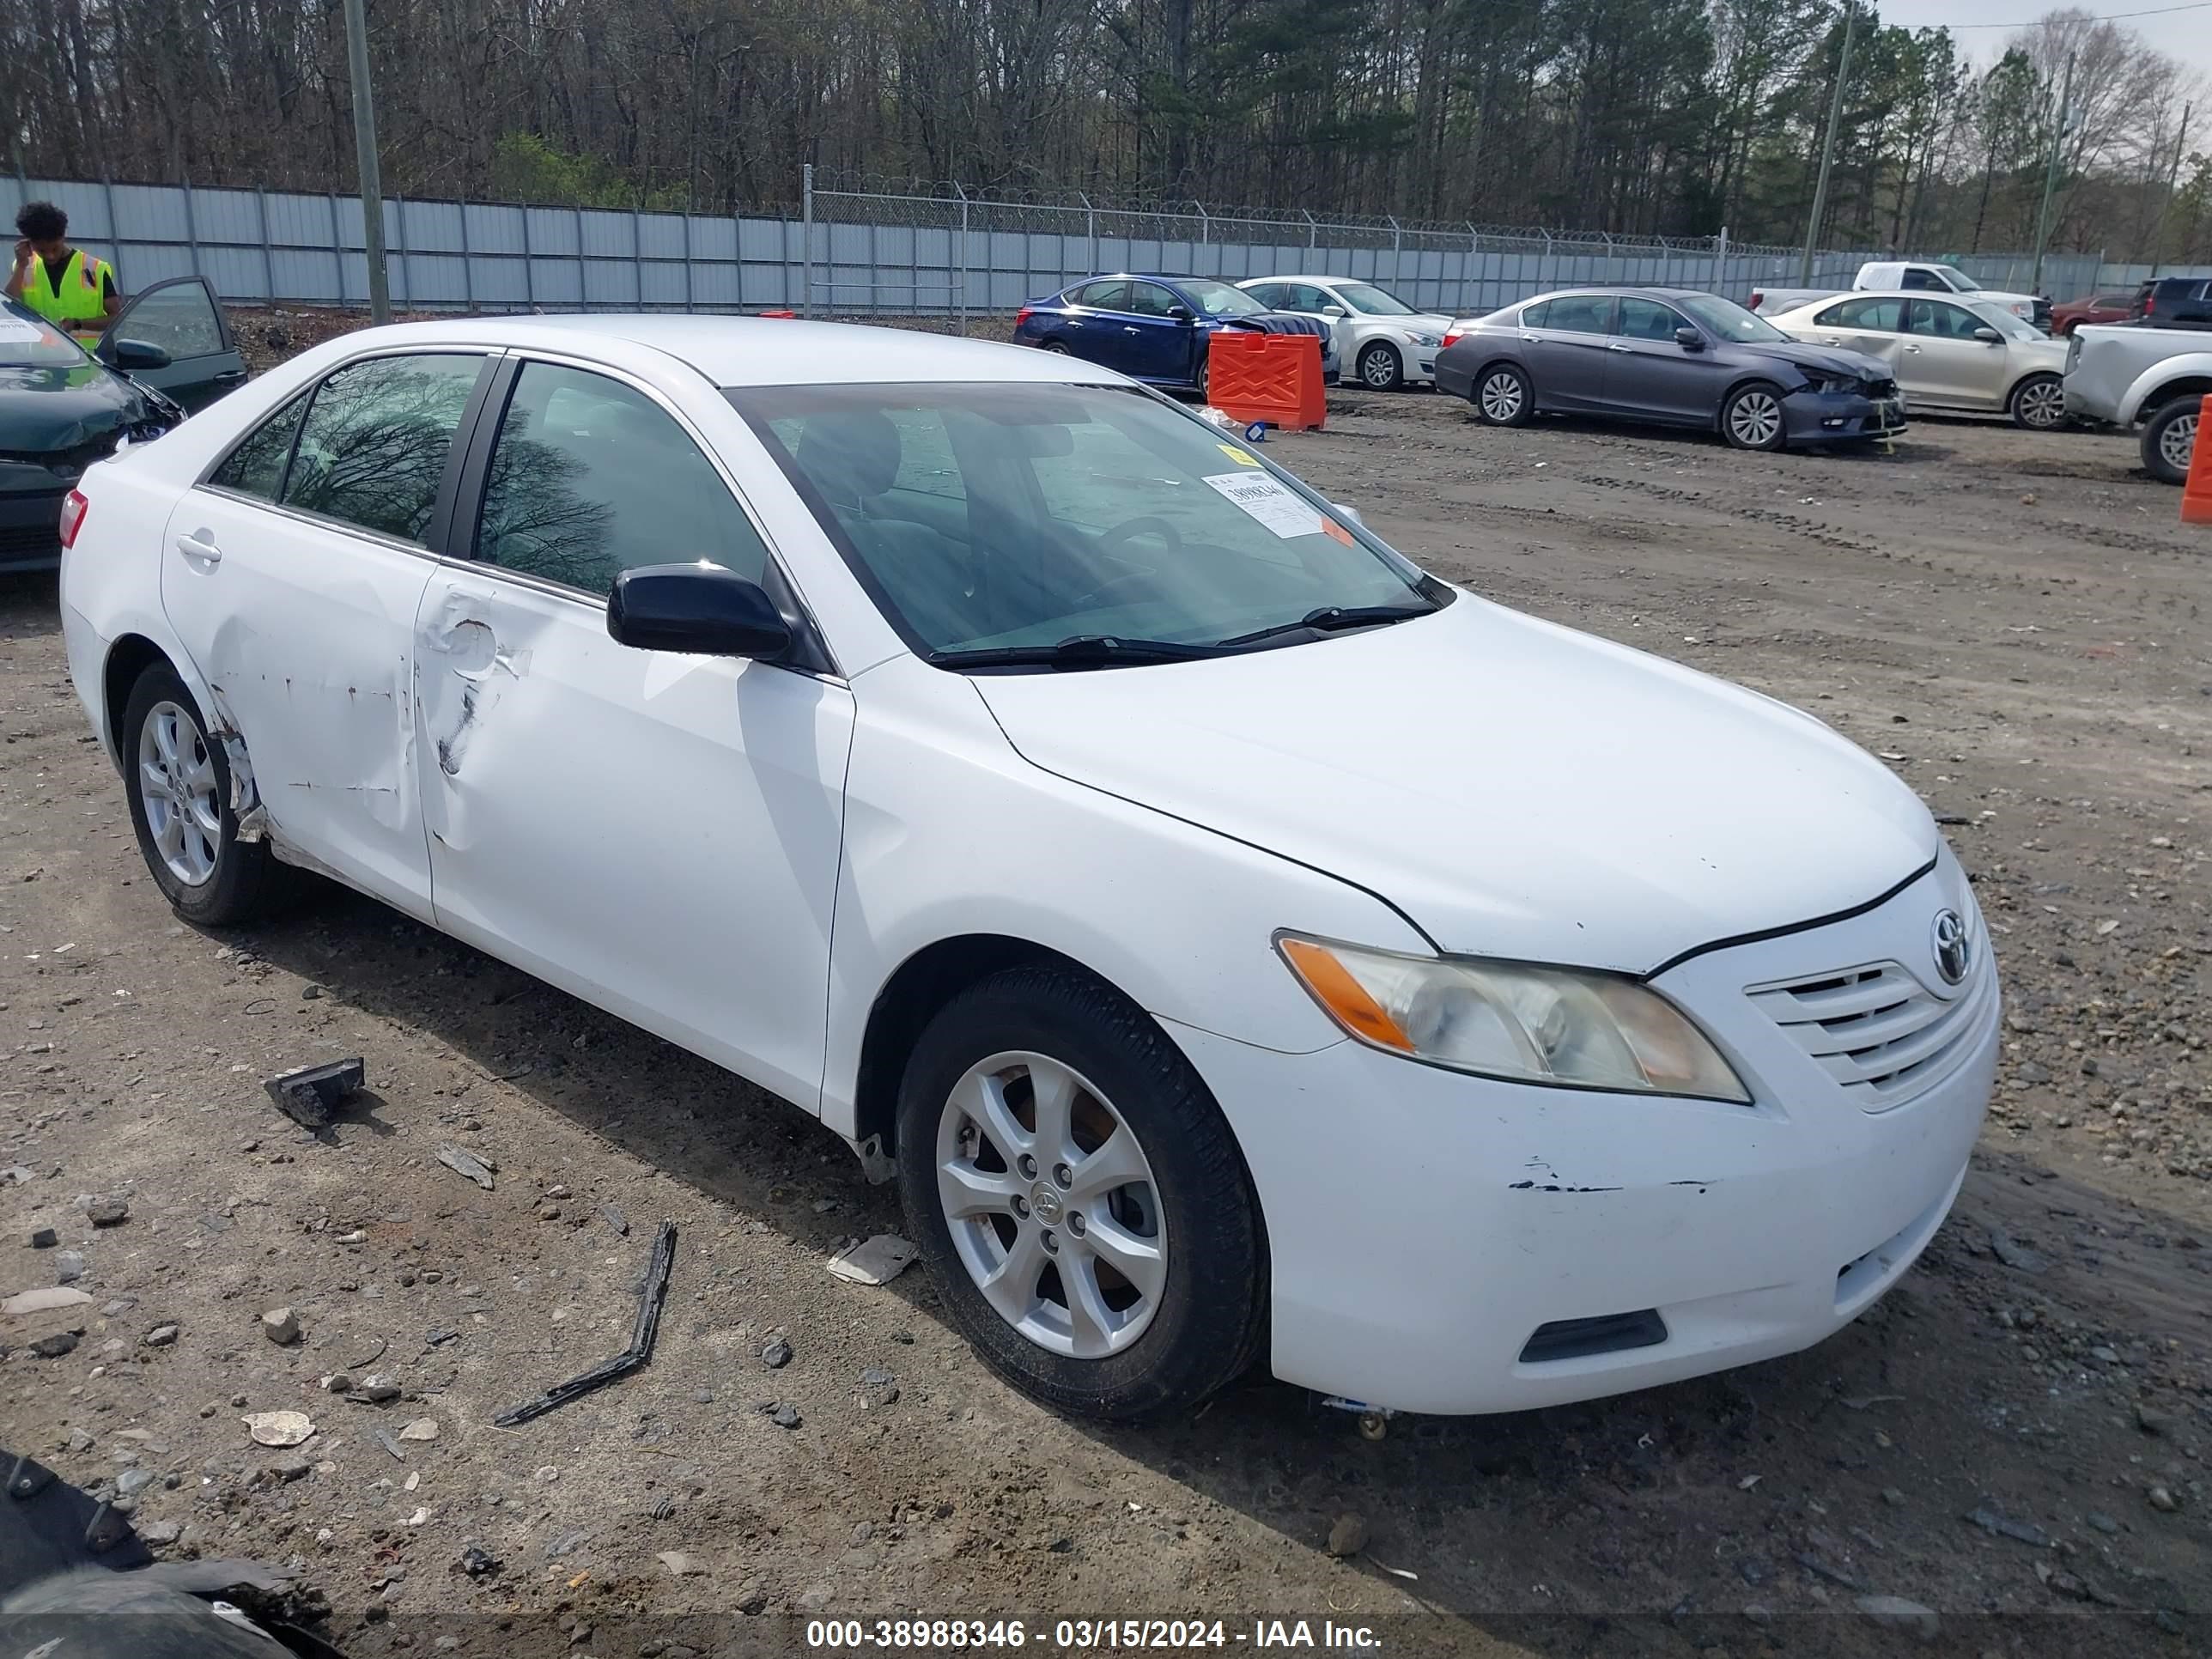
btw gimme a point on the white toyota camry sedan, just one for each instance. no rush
(1241, 945)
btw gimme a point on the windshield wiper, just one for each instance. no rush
(1333, 618)
(1079, 650)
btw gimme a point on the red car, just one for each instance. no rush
(2110, 307)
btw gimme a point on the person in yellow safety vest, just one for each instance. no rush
(65, 285)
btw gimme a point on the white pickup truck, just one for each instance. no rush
(2128, 376)
(1908, 277)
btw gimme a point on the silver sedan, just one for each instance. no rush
(1946, 352)
(1381, 341)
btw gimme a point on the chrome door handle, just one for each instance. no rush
(201, 546)
(1830, 339)
(1616, 346)
(1132, 331)
(1528, 339)
(1913, 348)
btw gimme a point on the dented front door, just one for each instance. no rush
(656, 833)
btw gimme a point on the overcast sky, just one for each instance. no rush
(2186, 35)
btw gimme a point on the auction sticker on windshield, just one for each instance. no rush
(1263, 499)
(15, 328)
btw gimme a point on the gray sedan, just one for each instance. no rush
(1670, 356)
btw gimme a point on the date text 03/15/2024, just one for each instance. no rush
(1084, 1635)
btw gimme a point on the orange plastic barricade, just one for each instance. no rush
(2196, 491)
(1275, 378)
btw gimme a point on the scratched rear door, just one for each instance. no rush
(656, 833)
(293, 575)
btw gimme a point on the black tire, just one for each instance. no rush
(1057, 347)
(1210, 1315)
(1752, 417)
(1379, 368)
(1502, 396)
(2169, 440)
(1202, 382)
(247, 880)
(2037, 404)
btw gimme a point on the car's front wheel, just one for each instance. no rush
(1380, 368)
(2170, 439)
(1752, 417)
(177, 779)
(1079, 1198)
(1502, 396)
(2039, 403)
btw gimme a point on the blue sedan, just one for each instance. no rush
(1155, 328)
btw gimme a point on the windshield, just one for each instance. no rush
(1373, 302)
(2000, 318)
(1219, 299)
(29, 341)
(1730, 320)
(989, 517)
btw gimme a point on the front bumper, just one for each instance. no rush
(30, 525)
(1423, 1226)
(1815, 417)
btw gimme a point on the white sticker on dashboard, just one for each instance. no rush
(15, 328)
(1264, 499)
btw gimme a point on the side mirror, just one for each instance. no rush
(137, 354)
(1179, 313)
(1332, 310)
(1989, 337)
(1689, 339)
(701, 609)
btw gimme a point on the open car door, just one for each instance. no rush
(181, 316)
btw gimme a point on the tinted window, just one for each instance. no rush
(1647, 319)
(374, 445)
(1102, 296)
(180, 320)
(1581, 314)
(1916, 280)
(1881, 316)
(1536, 316)
(1063, 511)
(255, 467)
(1150, 299)
(589, 478)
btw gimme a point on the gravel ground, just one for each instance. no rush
(2011, 1442)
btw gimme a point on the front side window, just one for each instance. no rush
(1941, 319)
(1647, 319)
(372, 449)
(255, 467)
(590, 477)
(1150, 300)
(998, 517)
(1307, 298)
(179, 318)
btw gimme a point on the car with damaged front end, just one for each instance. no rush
(1239, 944)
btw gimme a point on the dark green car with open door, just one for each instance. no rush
(62, 409)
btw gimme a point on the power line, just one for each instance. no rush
(2101, 17)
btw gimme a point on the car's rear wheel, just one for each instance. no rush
(1056, 346)
(1752, 417)
(1079, 1198)
(178, 782)
(2039, 403)
(1502, 396)
(2170, 439)
(1380, 367)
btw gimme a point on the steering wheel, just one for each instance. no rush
(1128, 530)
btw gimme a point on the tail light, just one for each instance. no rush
(73, 510)
(1452, 338)
(1021, 316)
(1757, 295)
(2150, 302)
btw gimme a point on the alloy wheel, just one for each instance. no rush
(1755, 420)
(1378, 367)
(2043, 405)
(1051, 1205)
(178, 786)
(1501, 396)
(2179, 442)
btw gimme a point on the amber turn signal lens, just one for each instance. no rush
(1343, 996)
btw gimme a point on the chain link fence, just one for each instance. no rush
(871, 247)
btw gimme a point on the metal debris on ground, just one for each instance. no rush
(478, 1170)
(310, 1094)
(651, 1295)
(876, 1261)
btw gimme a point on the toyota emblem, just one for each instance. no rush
(1954, 955)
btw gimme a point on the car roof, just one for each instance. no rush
(769, 350)
(1632, 289)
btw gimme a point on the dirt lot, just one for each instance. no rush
(2012, 1439)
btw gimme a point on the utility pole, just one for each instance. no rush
(372, 178)
(1828, 147)
(2172, 176)
(2051, 174)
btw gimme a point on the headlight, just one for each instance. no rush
(1524, 1024)
(1422, 339)
(2022, 308)
(1835, 384)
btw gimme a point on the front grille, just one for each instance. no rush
(1881, 1033)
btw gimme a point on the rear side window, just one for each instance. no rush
(1882, 316)
(1269, 295)
(1102, 296)
(373, 449)
(591, 477)
(1581, 314)
(1536, 316)
(255, 467)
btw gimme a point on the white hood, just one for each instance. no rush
(1518, 789)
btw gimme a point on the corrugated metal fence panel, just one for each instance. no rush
(871, 254)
